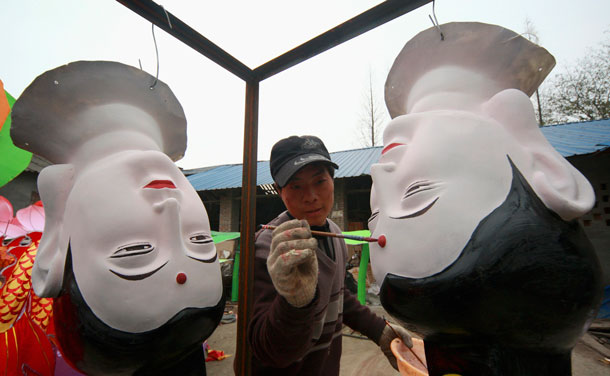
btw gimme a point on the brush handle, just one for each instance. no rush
(330, 234)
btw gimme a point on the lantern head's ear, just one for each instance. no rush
(560, 186)
(54, 184)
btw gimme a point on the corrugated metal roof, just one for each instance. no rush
(355, 162)
(579, 138)
(569, 139)
(351, 163)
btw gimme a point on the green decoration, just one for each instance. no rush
(364, 261)
(364, 264)
(235, 281)
(12, 159)
(220, 237)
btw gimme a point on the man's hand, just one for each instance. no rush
(292, 262)
(388, 334)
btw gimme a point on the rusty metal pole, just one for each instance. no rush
(248, 227)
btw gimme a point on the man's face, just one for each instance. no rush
(439, 175)
(136, 228)
(309, 194)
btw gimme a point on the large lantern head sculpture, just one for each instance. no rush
(127, 250)
(483, 256)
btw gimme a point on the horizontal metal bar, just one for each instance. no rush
(378, 15)
(159, 16)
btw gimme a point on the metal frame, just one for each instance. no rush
(376, 16)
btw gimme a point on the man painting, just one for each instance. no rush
(300, 299)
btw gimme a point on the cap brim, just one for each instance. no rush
(292, 166)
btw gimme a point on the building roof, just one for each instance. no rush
(352, 163)
(37, 164)
(579, 138)
(569, 139)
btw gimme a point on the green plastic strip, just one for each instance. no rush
(364, 261)
(220, 237)
(364, 264)
(235, 281)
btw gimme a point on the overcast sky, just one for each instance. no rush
(322, 96)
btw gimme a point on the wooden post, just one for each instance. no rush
(248, 228)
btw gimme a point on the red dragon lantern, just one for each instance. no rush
(25, 319)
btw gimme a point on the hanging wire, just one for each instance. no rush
(167, 16)
(156, 48)
(157, 52)
(435, 21)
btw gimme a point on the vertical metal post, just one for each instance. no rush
(248, 226)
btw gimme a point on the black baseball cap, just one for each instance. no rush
(290, 154)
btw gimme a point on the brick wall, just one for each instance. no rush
(597, 222)
(226, 212)
(339, 212)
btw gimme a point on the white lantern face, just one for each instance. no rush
(140, 241)
(440, 174)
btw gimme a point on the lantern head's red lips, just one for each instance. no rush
(390, 146)
(159, 184)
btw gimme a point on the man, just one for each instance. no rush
(300, 301)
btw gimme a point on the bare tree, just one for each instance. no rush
(530, 31)
(582, 91)
(372, 117)
(532, 35)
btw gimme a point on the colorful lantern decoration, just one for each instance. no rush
(12, 159)
(5, 109)
(25, 318)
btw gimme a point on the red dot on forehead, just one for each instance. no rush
(381, 241)
(181, 278)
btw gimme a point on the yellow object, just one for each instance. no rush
(18, 288)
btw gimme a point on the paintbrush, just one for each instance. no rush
(381, 240)
(409, 348)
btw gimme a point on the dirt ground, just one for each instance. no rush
(361, 357)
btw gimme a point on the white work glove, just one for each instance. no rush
(292, 262)
(388, 334)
